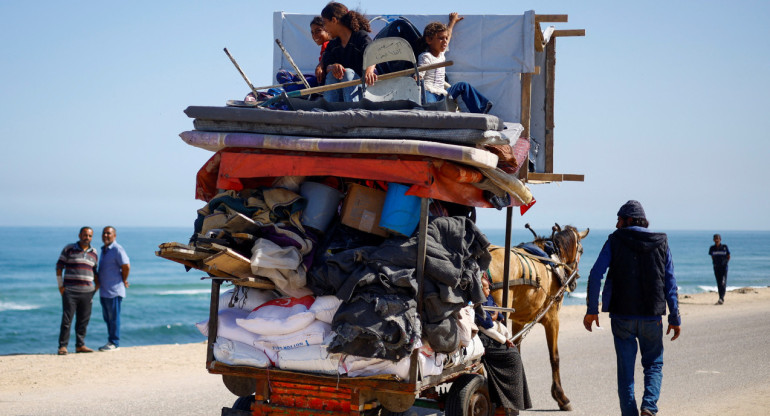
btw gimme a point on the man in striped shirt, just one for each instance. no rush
(78, 281)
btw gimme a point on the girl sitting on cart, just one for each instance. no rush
(505, 372)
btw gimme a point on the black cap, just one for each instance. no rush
(632, 209)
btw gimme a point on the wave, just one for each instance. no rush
(10, 306)
(183, 292)
(704, 288)
(579, 295)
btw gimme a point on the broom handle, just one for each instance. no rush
(291, 61)
(245, 78)
(354, 82)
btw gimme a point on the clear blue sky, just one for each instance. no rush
(661, 101)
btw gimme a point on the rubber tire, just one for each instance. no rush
(244, 403)
(469, 396)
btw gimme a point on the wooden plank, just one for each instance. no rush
(569, 32)
(550, 65)
(554, 177)
(558, 18)
(526, 102)
(230, 262)
(538, 37)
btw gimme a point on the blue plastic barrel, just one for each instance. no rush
(401, 212)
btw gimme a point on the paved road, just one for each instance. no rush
(719, 366)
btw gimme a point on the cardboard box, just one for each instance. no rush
(362, 208)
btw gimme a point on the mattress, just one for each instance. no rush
(462, 154)
(328, 120)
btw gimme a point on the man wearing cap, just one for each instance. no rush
(640, 282)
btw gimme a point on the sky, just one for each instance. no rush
(663, 102)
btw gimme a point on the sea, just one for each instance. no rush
(164, 301)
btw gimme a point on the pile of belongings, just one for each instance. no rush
(300, 218)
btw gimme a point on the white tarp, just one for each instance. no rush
(489, 52)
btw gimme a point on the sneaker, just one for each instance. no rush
(487, 108)
(62, 351)
(109, 347)
(646, 412)
(83, 349)
(720, 301)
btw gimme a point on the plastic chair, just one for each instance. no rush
(399, 88)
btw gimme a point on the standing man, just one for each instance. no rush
(113, 277)
(77, 286)
(640, 283)
(720, 256)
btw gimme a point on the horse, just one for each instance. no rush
(533, 285)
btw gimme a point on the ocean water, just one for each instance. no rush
(164, 302)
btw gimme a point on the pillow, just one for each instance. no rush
(237, 353)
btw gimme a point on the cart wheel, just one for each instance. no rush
(469, 396)
(244, 403)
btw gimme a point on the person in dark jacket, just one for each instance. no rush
(640, 283)
(720, 256)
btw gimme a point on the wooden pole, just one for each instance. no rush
(293, 65)
(245, 78)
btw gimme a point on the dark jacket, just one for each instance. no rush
(351, 56)
(637, 271)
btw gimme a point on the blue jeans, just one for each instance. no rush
(649, 335)
(474, 100)
(347, 94)
(111, 314)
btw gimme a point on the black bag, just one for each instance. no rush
(400, 27)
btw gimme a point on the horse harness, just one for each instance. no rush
(529, 274)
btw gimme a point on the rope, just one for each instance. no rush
(524, 331)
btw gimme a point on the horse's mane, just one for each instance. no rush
(566, 237)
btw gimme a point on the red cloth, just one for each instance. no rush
(237, 169)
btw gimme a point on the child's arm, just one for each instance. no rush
(453, 18)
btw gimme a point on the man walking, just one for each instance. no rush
(113, 276)
(640, 283)
(720, 256)
(77, 278)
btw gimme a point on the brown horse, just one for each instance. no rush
(532, 284)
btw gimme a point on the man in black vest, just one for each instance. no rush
(639, 284)
(720, 256)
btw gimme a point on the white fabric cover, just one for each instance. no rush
(325, 307)
(282, 265)
(489, 52)
(499, 332)
(237, 353)
(279, 316)
(312, 358)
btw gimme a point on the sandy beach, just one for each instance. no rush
(719, 366)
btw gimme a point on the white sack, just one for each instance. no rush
(313, 334)
(325, 307)
(466, 326)
(248, 298)
(227, 327)
(237, 353)
(313, 358)
(279, 316)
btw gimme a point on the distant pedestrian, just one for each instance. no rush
(720, 256)
(639, 284)
(78, 281)
(113, 276)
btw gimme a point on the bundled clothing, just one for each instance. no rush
(378, 287)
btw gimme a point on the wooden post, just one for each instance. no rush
(213, 320)
(420, 272)
(526, 103)
(507, 256)
(550, 68)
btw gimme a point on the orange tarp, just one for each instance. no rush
(430, 178)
